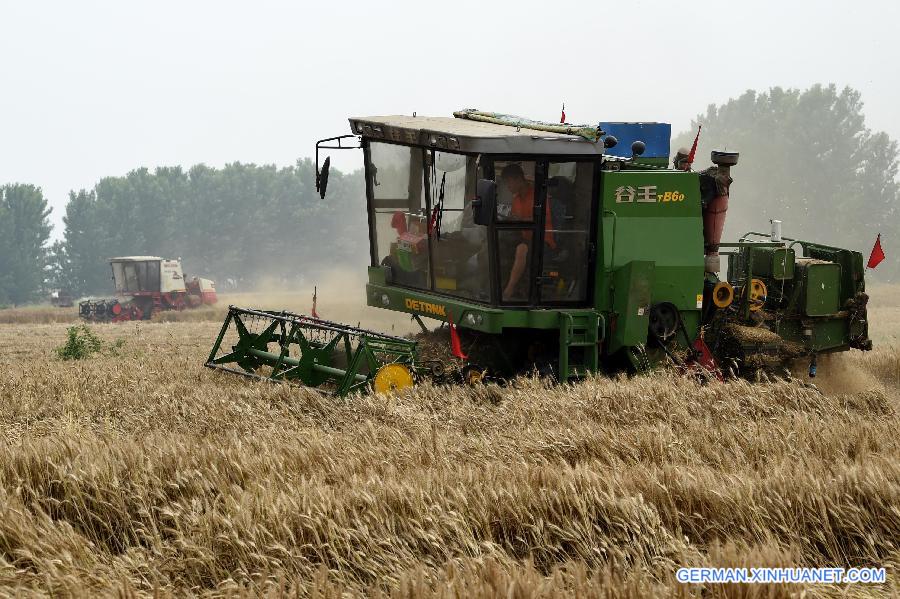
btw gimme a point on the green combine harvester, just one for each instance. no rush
(553, 248)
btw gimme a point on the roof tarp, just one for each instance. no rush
(586, 131)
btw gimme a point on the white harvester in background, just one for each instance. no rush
(146, 285)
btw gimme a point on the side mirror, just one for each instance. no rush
(326, 144)
(322, 177)
(484, 206)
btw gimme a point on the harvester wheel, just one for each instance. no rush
(723, 294)
(664, 321)
(436, 369)
(392, 377)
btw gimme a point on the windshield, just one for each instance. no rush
(400, 214)
(459, 246)
(136, 276)
(422, 220)
(424, 232)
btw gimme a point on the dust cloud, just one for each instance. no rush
(341, 297)
(840, 374)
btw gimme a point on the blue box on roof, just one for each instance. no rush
(655, 135)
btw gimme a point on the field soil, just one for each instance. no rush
(138, 471)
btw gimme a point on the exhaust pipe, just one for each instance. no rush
(776, 230)
(715, 184)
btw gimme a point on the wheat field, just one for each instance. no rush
(142, 473)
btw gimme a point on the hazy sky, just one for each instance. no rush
(91, 88)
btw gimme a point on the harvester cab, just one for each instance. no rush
(551, 246)
(571, 250)
(146, 285)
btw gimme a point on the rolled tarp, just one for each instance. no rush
(585, 131)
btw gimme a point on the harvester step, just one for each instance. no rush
(578, 329)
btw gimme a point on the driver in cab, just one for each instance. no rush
(522, 209)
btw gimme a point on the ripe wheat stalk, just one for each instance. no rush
(144, 474)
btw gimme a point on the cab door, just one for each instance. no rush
(544, 231)
(517, 229)
(566, 254)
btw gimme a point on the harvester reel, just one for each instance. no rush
(334, 358)
(109, 310)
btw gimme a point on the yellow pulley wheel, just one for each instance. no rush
(758, 294)
(723, 294)
(392, 377)
(474, 376)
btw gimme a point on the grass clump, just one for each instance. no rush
(81, 343)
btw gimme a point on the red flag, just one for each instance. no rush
(314, 313)
(877, 254)
(690, 158)
(455, 345)
(562, 118)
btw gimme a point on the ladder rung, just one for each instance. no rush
(579, 330)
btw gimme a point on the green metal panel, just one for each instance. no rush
(632, 296)
(469, 315)
(378, 274)
(776, 263)
(829, 334)
(660, 162)
(822, 288)
(783, 264)
(579, 330)
(825, 334)
(852, 270)
(653, 216)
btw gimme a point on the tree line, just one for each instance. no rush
(24, 231)
(807, 158)
(236, 225)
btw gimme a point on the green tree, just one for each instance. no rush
(807, 159)
(24, 231)
(244, 222)
(86, 244)
(59, 270)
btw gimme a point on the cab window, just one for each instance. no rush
(515, 190)
(565, 264)
(459, 247)
(397, 185)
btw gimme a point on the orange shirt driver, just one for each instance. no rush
(523, 209)
(513, 177)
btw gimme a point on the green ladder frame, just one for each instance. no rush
(580, 328)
